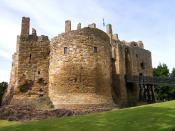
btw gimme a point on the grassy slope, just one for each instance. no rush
(155, 117)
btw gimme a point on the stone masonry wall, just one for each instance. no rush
(30, 73)
(118, 74)
(130, 59)
(80, 68)
(33, 64)
(139, 64)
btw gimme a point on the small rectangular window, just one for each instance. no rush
(30, 56)
(95, 49)
(65, 50)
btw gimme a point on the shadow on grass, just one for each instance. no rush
(147, 118)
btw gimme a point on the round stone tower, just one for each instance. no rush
(80, 69)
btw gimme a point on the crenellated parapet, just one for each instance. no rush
(67, 25)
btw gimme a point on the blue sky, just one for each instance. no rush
(152, 21)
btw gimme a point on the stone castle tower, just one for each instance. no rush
(78, 68)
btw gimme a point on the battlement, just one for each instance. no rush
(25, 32)
(138, 44)
(25, 26)
(34, 32)
(33, 38)
(67, 25)
(93, 25)
(114, 38)
(79, 26)
(43, 38)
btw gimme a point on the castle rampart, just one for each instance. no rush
(83, 67)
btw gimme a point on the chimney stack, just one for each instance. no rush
(109, 29)
(25, 26)
(67, 25)
(79, 26)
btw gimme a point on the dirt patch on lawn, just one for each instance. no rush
(26, 112)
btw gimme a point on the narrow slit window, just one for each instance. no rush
(30, 56)
(95, 49)
(65, 50)
(38, 72)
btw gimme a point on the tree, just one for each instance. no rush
(161, 70)
(3, 87)
(164, 92)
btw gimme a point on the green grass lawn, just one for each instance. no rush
(154, 117)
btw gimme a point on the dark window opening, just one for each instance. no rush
(30, 56)
(38, 72)
(65, 50)
(140, 74)
(126, 50)
(142, 65)
(95, 49)
(137, 55)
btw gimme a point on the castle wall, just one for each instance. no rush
(85, 67)
(80, 68)
(129, 59)
(139, 64)
(140, 61)
(118, 74)
(29, 77)
(33, 63)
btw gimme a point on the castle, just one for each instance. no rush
(78, 68)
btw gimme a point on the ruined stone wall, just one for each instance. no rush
(139, 63)
(13, 73)
(33, 63)
(129, 59)
(118, 73)
(80, 68)
(29, 77)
